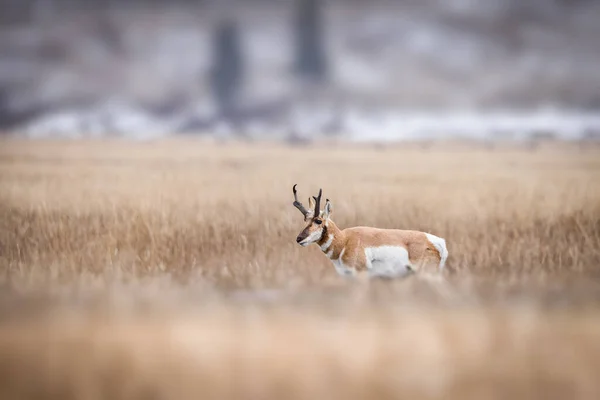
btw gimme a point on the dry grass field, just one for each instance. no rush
(169, 270)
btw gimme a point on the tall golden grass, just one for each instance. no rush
(169, 269)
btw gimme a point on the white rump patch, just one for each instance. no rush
(440, 245)
(388, 261)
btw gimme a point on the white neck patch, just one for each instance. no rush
(327, 244)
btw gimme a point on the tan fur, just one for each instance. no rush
(421, 252)
(350, 243)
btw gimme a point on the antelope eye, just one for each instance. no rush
(318, 221)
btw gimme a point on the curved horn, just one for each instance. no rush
(297, 204)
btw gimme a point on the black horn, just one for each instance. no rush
(297, 204)
(318, 203)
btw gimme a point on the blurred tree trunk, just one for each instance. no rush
(227, 70)
(43, 11)
(311, 60)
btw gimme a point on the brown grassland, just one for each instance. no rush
(169, 270)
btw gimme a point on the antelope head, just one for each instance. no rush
(315, 218)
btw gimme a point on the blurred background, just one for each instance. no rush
(301, 70)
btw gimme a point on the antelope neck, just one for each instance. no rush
(332, 241)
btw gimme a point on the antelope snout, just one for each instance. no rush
(299, 238)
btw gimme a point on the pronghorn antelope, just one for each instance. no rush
(365, 250)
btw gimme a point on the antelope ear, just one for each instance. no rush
(311, 204)
(328, 209)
